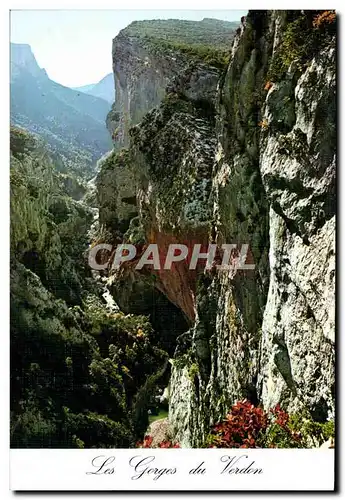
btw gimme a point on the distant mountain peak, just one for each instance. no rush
(23, 59)
(105, 88)
(72, 123)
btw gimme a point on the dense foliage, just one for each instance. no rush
(213, 56)
(48, 227)
(210, 32)
(208, 40)
(76, 368)
(247, 426)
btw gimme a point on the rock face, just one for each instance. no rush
(298, 170)
(151, 68)
(178, 140)
(140, 83)
(159, 430)
(116, 193)
(147, 55)
(246, 156)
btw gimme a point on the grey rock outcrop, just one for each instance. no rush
(298, 169)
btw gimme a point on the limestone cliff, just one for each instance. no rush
(245, 156)
(148, 54)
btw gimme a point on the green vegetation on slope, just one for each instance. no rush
(302, 39)
(210, 32)
(208, 40)
(76, 369)
(48, 227)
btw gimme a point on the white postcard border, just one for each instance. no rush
(172, 470)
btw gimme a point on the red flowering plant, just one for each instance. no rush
(243, 427)
(168, 444)
(147, 443)
(247, 426)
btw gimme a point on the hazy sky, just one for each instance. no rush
(75, 46)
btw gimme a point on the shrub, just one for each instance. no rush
(241, 428)
(168, 444)
(326, 17)
(21, 141)
(279, 434)
(146, 443)
(193, 371)
(247, 426)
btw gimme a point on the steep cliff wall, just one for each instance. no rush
(146, 57)
(276, 172)
(220, 363)
(246, 156)
(298, 167)
(175, 65)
